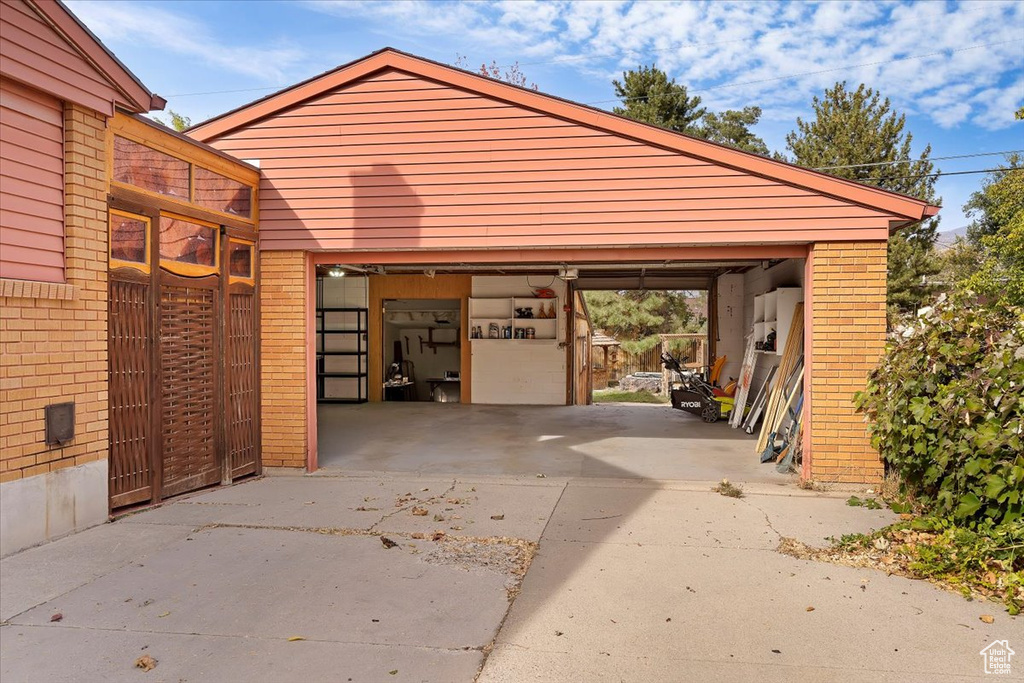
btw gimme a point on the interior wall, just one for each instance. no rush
(733, 326)
(523, 372)
(426, 362)
(417, 286)
(758, 280)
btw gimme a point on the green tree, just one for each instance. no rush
(999, 201)
(732, 127)
(178, 122)
(649, 95)
(636, 317)
(990, 261)
(857, 135)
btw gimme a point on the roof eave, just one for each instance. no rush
(137, 97)
(900, 207)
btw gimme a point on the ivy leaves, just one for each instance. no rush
(945, 410)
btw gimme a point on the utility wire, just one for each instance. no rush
(820, 71)
(713, 87)
(914, 161)
(938, 174)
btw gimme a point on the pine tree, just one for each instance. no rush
(732, 127)
(649, 95)
(854, 128)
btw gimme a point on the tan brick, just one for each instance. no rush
(848, 336)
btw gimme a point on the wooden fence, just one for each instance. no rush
(689, 348)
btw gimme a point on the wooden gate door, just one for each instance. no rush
(184, 359)
(242, 369)
(190, 318)
(131, 368)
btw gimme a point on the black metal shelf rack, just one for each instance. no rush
(360, 353)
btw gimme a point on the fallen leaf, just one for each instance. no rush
(541, 476)
(419, 512)
(437, 536)
(363, 508)
(778, 652)
(810, 609)
(387, 542)
(393, 672)
(294, 638)
(987, 618)
(417, 535)
(559, 633)
(57, 617)
(438, 518)
(165, 614)
(498, 517)
(145, 662)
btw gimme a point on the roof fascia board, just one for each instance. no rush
(137, 97)
(881, 200)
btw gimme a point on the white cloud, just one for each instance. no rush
(149, 25)
(749, 43)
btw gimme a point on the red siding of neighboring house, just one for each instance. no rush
(396, 160)
(33, 52)
(31, 184)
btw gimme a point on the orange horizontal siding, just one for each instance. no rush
(34, 53)
(395, 160)
(31, 184)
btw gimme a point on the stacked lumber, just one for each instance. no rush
(789, 381)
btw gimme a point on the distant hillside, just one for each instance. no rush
(946, 239)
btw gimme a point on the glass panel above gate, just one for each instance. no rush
(217, 192)
(129, 241)
(149, 169)
(240, 256)
(188, 247)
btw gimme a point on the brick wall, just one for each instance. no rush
(847, 339)
(53, 338)
(283, 357)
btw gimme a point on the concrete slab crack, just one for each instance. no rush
(767, 519)
(416, 501)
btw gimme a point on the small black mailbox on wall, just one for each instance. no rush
(60, 423)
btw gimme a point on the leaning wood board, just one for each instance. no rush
(790, 357)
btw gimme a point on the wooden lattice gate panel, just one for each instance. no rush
(131, 376)
(189, 316)
(243, 426)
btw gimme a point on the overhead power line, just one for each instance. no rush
(914, 161)
(820, 71)
(939, 174)
(713, 87)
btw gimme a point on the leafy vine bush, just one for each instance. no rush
(945, 411)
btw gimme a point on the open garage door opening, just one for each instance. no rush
(490, 368)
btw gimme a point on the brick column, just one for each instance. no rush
(848, 285)
(283, 357)
(53, 337)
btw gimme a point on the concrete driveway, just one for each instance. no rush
(619, 441)
(288, 579)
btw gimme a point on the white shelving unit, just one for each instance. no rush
(773, 311)
(484, 312)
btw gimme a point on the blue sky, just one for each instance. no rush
(955, 68)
